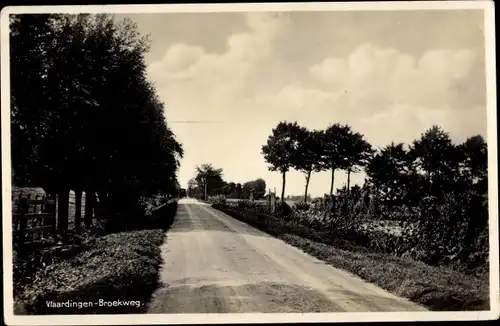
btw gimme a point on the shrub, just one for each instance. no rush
(282, 209)
(219, 199)
(301, 206)
(453, 231)
(150, 204)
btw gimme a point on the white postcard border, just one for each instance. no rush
(489, 28)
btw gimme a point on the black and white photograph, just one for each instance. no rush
(321, 162)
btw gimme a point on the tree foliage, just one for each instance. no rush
(388, 170)
(281, 148)
(309, 155)
(356, 153)
(210, 177)
(257, 187)
(335, 138)
(84, 116)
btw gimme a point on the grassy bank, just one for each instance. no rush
(438, 288)
(118, 267)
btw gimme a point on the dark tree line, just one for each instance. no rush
(210, 178)
(84, 117)
(291, 146)
(431, 166)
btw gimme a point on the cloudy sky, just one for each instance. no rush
(390, 75)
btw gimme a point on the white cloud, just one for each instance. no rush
(382, 92)
(378, 77)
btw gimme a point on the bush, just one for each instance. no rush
(150, 204)
(246, 203)
(159, 218)
(219, 199)
(456, 231)
(301, 206)
(282, 209)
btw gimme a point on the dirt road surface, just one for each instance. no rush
(216, 264)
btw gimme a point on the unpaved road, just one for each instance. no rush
(216, 264)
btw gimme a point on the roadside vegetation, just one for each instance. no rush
(418, 226)
(86, 120)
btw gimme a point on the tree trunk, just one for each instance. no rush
(63, 210)
(283, 188)
(89, 207)
(333, 180)
(103, 202)
(78, 209)
(308, 177)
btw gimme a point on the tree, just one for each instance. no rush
(191, 189)
(238, 190)
(309, 154)
(335, 137)
(30, 36)
(259, 188)
(210, 176)
(388, 171)
(437, 158)
(281, 148)
(246, 189)
(90, 114)
(475, 162)
(356, 153)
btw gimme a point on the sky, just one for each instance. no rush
(390, 75)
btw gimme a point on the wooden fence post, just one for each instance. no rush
(24, 208)
(50, 207)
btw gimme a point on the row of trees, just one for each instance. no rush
(431, 165)
(291, 146)
(84, 115)
(209, 181)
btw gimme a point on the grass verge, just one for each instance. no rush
(113, 274)
(437, 288)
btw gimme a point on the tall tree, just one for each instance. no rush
(309, 154)
(437, 158)
(356, 153)
(334, 139)
(281, 148)
(388, 171)
(475, 162)
(91, 112)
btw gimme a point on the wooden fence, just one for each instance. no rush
(33, 218)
